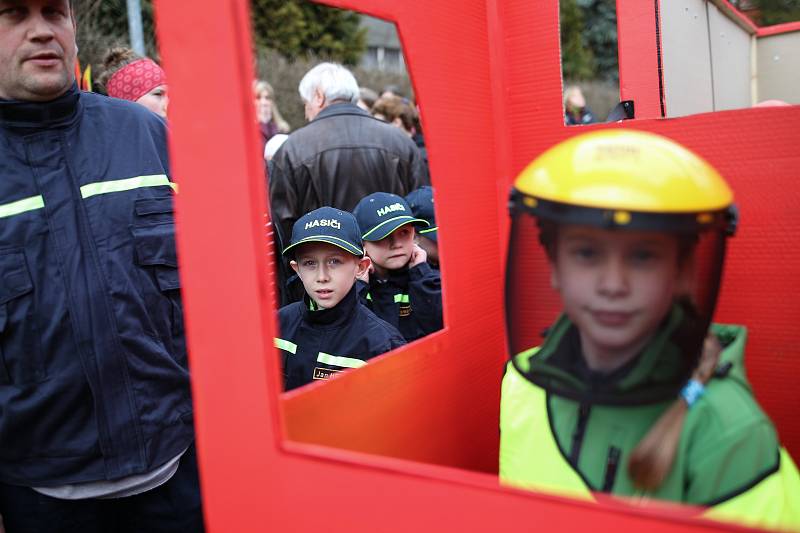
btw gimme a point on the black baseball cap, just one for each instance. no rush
(381, 213)
(421, 203)
(329, 225)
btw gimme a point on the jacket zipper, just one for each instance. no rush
(580, 430)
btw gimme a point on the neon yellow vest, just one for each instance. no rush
(531, 458)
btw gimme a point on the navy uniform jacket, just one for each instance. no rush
(410, 299)
(93, 373)
(316, 344)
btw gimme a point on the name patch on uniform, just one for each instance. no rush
(324, 373)
(391, 208)
(327, 222)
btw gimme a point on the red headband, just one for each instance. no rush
(136, 79)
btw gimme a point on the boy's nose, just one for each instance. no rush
(613, 280)
(322, 273)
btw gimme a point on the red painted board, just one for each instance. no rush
(429, 411)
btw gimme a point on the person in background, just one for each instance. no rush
(400, 287)
(96, 429)
(129, 76)
(366, 98)
(575, 109)
(340, 156)
(421, 204)
(401, 114)
(392, 90)
(273, 145)
(329, 331)
(270, 121)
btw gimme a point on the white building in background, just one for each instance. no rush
(384, 51)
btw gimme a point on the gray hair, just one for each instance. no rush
(335, 82)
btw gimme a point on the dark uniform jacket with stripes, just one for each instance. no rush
(93, 375)
(410, 299)
(315, 344)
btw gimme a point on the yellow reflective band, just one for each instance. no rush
(285, 345)
(529, 453)
(21, 206)
(337, 360)
(127, 184)
(774, 503)
(401, 299)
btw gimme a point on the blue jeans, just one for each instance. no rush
(173, 507)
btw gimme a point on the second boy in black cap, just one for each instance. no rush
(403, 288)
(329, 331)
(421, 203)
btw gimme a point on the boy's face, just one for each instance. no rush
(616, 286)
(327, 272)
(394, 251)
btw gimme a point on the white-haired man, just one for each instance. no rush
(342, 154)
(96, 429)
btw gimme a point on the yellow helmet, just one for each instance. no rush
(625, 179)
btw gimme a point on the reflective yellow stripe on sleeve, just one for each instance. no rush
(285, 345)
(127, 184)
(21, 206)
(337, 360)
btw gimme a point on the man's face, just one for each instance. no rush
(392, 252)
(327, 272)
(37, 49)
(616, 286)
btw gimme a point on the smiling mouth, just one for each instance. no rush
(612, 318)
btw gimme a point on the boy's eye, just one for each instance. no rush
(334, 261)
(643, 256)
(308, 262)
(585, 253)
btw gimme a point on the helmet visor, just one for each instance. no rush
(619, 288)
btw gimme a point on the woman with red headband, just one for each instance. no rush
(139, 79)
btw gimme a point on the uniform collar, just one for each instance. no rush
(655, 375)
(334, 316)
(25, 114)
(342, 108)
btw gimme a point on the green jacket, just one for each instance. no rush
(564, 442)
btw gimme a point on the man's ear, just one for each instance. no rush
(294, 266)
(319, 97)
(363, 265)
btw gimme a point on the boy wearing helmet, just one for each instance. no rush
(633, 228)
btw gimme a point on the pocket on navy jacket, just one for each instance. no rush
(156, 253)
(16, 327)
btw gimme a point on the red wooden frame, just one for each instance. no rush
(410, 441)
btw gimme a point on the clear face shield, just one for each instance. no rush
(619, 277)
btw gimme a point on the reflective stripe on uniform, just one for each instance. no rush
(285, 345)
(337, 360)
(773, 503)
(21, 206)
(401, 299)
(127, 184)
(529, 454)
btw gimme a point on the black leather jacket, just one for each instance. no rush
(340, 157)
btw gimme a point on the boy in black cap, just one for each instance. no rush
(421, 203)
(329, 331)
(403, 288)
